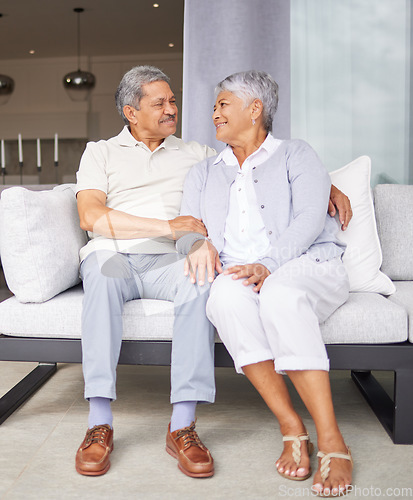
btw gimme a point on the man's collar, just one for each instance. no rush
(125, 138)
(171, 142)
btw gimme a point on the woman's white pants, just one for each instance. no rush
(281, 322)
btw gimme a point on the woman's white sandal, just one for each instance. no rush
(297, 454)
(325, 469)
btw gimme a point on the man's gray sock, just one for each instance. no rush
(183, 414)
(100, 412)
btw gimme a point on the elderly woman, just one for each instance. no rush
(270, 239)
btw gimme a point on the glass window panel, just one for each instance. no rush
(350, 82)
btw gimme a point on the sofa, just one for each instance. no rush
(40, 239)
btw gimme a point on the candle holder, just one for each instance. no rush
(56, 156)
(39, 158)
(3, 159)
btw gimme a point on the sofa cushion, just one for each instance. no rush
(364, 318)
(394, 213)
(362, 257)
(404, 297)
(147, 319)
(40, 241)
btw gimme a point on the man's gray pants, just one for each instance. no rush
(109, 280)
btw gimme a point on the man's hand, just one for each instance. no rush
(255, 273)
(340, 201)
(202, 257)
(185, 224)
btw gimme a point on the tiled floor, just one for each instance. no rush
(39, 441)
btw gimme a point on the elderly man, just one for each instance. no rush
(129, 191)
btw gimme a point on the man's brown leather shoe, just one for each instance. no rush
(194, 459)
(92, 458)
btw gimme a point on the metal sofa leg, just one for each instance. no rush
(378, 399)
(403, 407)
(25, 388)
(395, 416)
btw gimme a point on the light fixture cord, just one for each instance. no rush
(78, 41)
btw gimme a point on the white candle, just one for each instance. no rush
(20, 149)
(3, 157)
(56, 148)
(39, 156)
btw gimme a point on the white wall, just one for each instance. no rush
(39, 105)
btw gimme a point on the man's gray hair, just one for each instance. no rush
(130, 92)
(250, 85)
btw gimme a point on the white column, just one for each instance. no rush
(222, 37)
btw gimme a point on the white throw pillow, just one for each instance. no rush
(40, 242)
(363, 256)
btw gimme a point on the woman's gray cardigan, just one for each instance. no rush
(292, 189)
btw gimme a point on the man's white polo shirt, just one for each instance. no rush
(138, 181)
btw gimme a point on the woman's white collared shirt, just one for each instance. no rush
(245, 237)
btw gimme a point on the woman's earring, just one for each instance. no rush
(253, 121)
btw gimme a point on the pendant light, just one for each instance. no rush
(78, 84)
(6, 88)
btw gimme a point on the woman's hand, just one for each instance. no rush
(340, 201)
(202, 257)
(255, 273)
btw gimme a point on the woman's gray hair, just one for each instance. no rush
(250, 85)
(130, 92)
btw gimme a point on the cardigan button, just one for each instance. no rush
(262, 206)
(269, 232)
(317, 260)
(255, 180)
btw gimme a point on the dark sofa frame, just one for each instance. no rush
(396, 415)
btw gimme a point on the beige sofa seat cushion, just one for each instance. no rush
(60, 317)
(365, 318)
